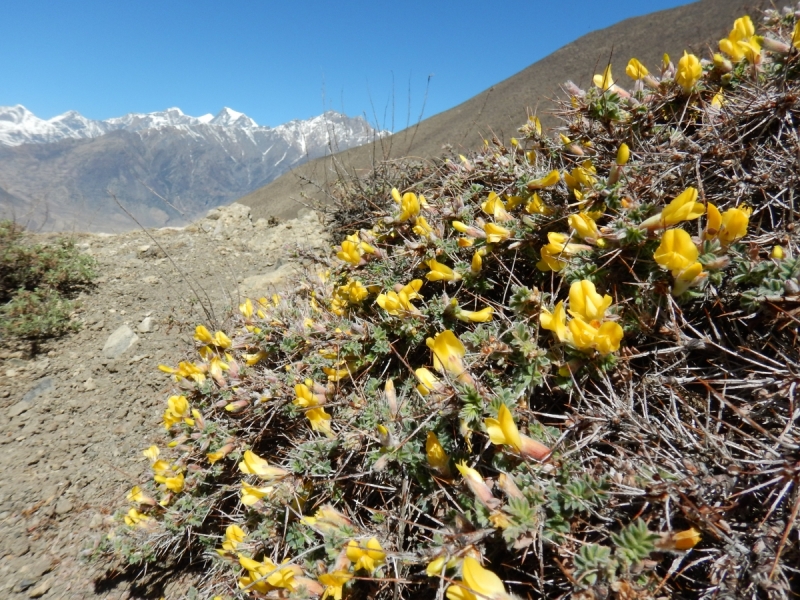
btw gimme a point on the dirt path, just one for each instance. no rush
(75, 417)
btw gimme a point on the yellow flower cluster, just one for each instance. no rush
(589, 329)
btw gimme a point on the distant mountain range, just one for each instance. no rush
(165, 167)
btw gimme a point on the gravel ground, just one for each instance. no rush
(75, 416)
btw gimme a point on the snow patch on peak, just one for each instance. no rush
(19, 126)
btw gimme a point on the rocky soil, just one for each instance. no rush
(75, 415)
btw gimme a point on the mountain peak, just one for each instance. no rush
(228, 117)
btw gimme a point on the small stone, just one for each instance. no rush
(63, 506)
(18, 409)
(96, 522)
(41, 589)
(146, 326)
(119, 341)
(89, 385)
(44, 385)
(24, 585)
(151, 280)
(37, 568)
(4, 393)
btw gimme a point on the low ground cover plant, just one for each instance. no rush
(562, 366)
(37, 282)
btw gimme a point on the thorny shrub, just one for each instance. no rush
(562, 367)
(36, 282)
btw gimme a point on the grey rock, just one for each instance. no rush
(45, 384)
(119, 341)
(89, 385)
(63, 506)
(24, 584)
(146, 326)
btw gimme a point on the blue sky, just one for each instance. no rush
(278, 61)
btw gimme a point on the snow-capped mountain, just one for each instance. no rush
(63, 170)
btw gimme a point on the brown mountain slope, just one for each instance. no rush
(502, 108)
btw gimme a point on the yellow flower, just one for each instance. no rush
(152, 454)
(623, 154)
(583, 334)
(739, 42)
(448, 354)
(689, 72)
(555, 321)
(477, 583)
(503, 430)
(549, 180)
(440, 272)
(437, 457)
(494, 207)
(495, 233)
(350, 252)
(584, 301)
(336, 374)
(174, 483)
(137, 496)
(686, 539)
(586, 228)
(777, 253)
(253, 464)
(134, 518)
(734, 225)
(752, 50)
(477, 263)
(177, 411)
(234, 535)
(608, 338)
(334, 583)
(717, 100)
(409, 207)
(202, 335)
(428, 382)
(552, 253)
(604, 81)
(396, 302)
(536, 206)
(422, 228)
(266, 575)
(796, 35)
(186, 370)
(636, 70)
(684, 207)
(366, 557)
(327, 520)
(475, 316)
(305, 398)
(477, 485)
(246, 308)
(677, 250)
(686, 278)
(354, 291)
(222, 341)
(320, 420)
(220, 454)
(252, 494)
(582, 177)
(467, 230)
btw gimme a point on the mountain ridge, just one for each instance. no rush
(166, 168)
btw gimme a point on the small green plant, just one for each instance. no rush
(37, 282)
